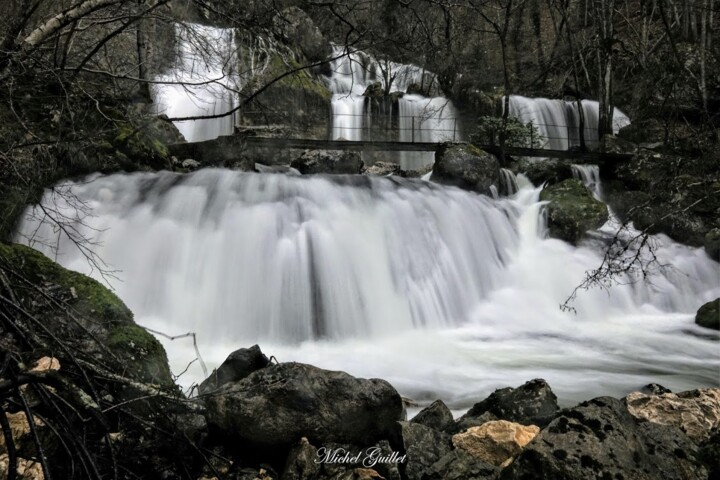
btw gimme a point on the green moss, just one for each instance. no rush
(473, 150)
(140, 148)
(87, 296)
(572, 210)
(143, 353)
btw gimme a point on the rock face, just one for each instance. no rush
(495, 442)
(532, 403)
(712, 244)
(238, 365)
(572, 210)
(280, 404)
(708, 315)
(329, 162)
(423, 446)
(548, 171)
(297, 29)
(467, 167)
(600, 439)
(436, 415)
(695, 412)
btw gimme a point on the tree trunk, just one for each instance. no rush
(143, 54)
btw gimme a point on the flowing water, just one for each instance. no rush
(445, 293)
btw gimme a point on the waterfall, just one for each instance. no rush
(590, 176)
(508, 182)
(201, 82)
(445, 293)
(420, 119)
(558, 120)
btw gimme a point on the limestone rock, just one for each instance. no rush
(280, 404)
(436, 415)
(298, 30)
(467, 167)
(381, 169)
(26, 469)
(600, 439)
(190, 164)
(572, 210)
(695, 412)
(238, 365)
(46, 364)
(329, 162)
(301, 463)
(708, 315)
(495, 442)
(532, 403)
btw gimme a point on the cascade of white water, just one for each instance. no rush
(443, 292)
(421, 119)
(202, 83)
(508, 182)
(558, 120)
(590, 176)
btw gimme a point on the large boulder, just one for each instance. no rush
(572, 210)
(436, 415)
(600, 439)
(298, 30)
(329, 162)
(467, 167)
(280, 404)
(460, 465)
(546, 171)
(495, 442)
(532, 403)
(695, 412)
(712, 244)
(383, 169)
(238, 365)
(708, 315)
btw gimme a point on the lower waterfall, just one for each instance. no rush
(444, 293)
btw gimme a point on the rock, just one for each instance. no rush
(495, 442)
(467, 167)
(709, 454)
(436, 415)
(328, 161)
(190, 164)
(539, 172)
(600, 439)
(416, 89)
(460, 465)
(280, 404)
(423, 446)
(26, 469)
(572, 210)
(298, 30)
(137, 354)
(19, 429)
(374, 90)
(708, 315)
(238, 365)
(301, 463)
(532, 403)
(382, 169)
(712, 244)
(644, 131)
(695, 412)
(419, 172)
(654, 389)
(46, 364)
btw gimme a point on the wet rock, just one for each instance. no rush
(654, 389)
(423, 447)
(695, 412)
(280, 404)
(708, 315)
(382, 169)
(328, 162)
(374, 90)
(572, 210)
(436, 415)
(460, 465)
(190, 164)
(712, 244)
(495, 442)
(238, 365)
(467, 167)
(549, 171)
(600, 439)
(298, 30)
(532, 403)
(286, 169)
(709, 454)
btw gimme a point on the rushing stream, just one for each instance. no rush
(446, 294)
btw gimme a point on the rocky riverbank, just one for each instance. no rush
(81, 380)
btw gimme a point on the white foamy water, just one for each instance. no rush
(446, 294)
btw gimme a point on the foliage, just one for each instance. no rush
(517, 134)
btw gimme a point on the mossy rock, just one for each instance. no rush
(712, 244)
(141, 148)
(94, 312)
(572, 210)
(708, 315)
(144, 355)
(466, 166)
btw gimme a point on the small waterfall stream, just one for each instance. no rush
(445, 293)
